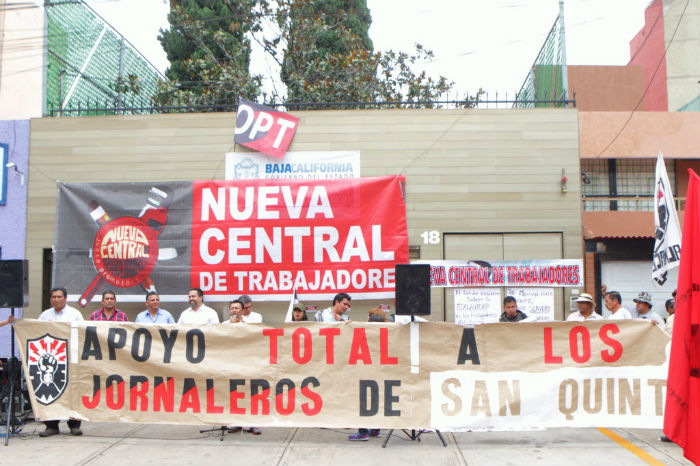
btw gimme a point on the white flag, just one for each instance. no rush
(295, 300)
(667, 245)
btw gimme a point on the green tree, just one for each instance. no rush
(209, 52)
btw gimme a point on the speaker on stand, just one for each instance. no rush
(413, 298)
(14, 293)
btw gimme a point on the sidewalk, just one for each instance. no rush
(113, 444)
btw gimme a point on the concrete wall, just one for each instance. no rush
(13, 215)
(683, 56)
(468, 171)
(606, 88)
(22, 50)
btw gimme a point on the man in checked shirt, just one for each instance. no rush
(109, 310)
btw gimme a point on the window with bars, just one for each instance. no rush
(621, 184)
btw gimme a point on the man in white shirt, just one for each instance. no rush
(60, 312)
(198, 312)
(338, 311)
(644, 311)
(586, 309)
(613, 302)
(247, 315)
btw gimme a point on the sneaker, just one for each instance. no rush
(48, 432)
(76, 431)
(358, 437)
(233, 429)
(376, 433)
(665, 439)
(254, 430)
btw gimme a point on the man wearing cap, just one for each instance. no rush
(644, 311)
(671, 310)
(613, 302)
(586, 309)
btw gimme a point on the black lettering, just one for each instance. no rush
(189, 352)
(116, 338)
(467, 349)
(168, 343)
(369, 388)
(139, 334)
(390, 399)
(91, 347)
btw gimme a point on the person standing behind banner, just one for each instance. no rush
(60, 312)
(109, 310)
(299, 313)
(338, 310)
(510, 311)
(153, 313)
(613, 303)
(9, 320)
(586, 309)
(644, 311)
(671, 310)
(198, 312)
(247, 315)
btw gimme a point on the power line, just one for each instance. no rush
(658, 65)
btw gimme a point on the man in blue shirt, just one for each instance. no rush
(154, 314)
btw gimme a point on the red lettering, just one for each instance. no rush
(260, 402)
(190, 400)
(109, 396)
(273, 333)
(136, 393)
(296, 345)
(549, 357)
(359, 350)
(314, 397)
(330, 334)
(384, 357)
(211, 399)
(615, 345)
(279, 399)
(585, 354)
(165, 393)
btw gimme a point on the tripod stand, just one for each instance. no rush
(413, 434)
(223, 430)
(12, 372)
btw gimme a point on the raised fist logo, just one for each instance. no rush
(47, 367)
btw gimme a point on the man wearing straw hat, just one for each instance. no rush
(586, 309)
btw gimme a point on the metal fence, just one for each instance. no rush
(129, 106)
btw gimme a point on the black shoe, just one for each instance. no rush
(49, 432)
(665, 439)
(76, 431)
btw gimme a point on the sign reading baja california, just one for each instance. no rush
(266, 237)
(260, 237)
(264, 129)
(352, 374)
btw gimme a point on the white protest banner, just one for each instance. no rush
(478, 273)
(537, 303)
(306, 165)
(667, 245)
(477, 305)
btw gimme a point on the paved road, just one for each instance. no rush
(115, 444)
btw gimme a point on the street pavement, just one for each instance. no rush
(117, 444)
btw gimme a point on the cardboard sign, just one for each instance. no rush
(264, 129)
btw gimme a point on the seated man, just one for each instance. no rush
(586, 309)
(510, 311)
(644, 311)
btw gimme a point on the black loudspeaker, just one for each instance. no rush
(14, 284)
(413, 289)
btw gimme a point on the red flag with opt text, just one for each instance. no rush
(682, 415)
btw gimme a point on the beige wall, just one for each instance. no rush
(21, 60)
(682, 58)
(468, 171)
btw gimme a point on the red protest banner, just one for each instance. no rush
(319, 237)
(682, 414)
